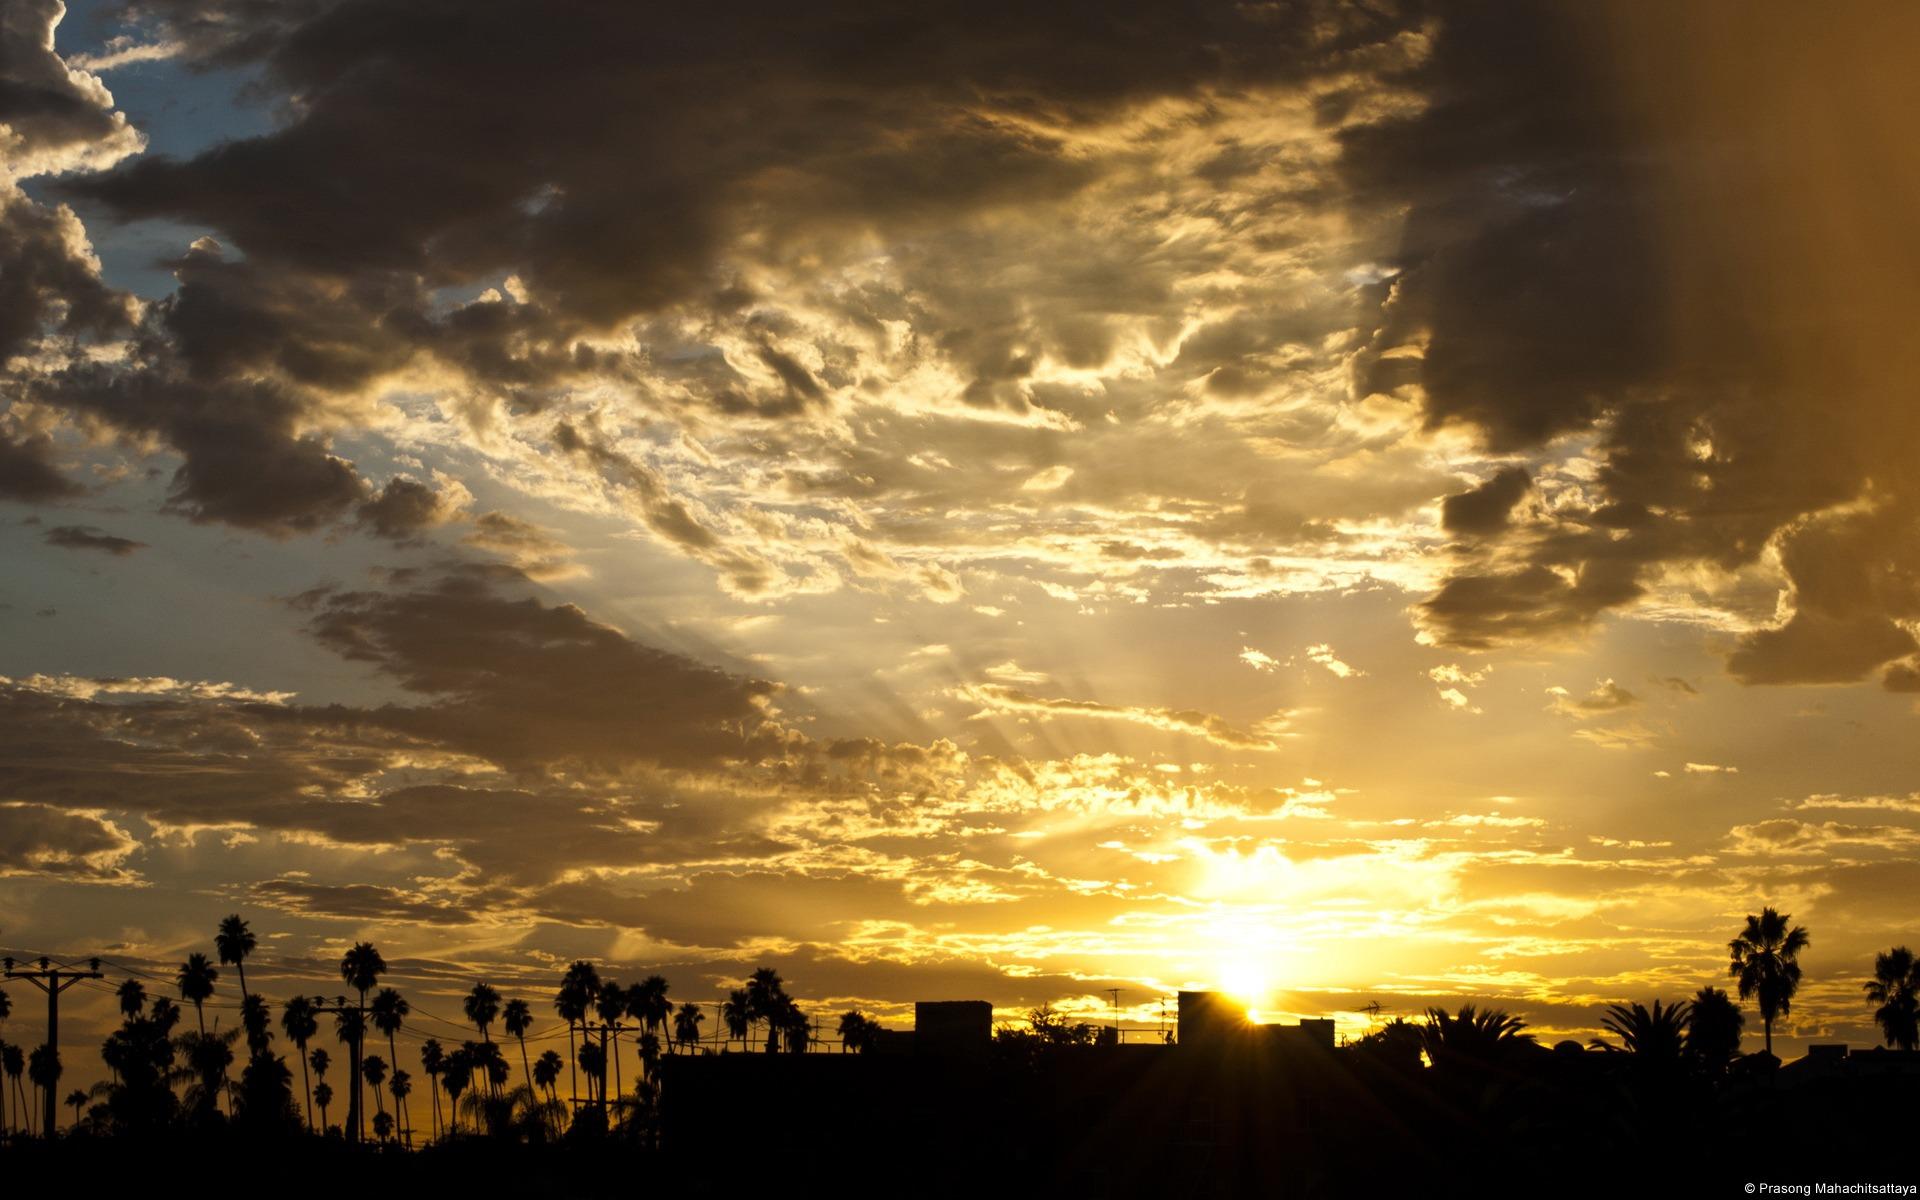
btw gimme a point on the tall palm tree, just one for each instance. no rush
(578, 989)
(77, 1100)
(737, 1014)
(482, 1005)
(350, 1030)
(611, 1004)
(373, 1069)
(647, 1003)
(433, 1061)
(593, 1064)
(1895, 987)
(323, 1096)
(257, 1020)
(196, 978)
(390, 1011)
(456, 1072)
(234, 942)
(299, 1022)
(14, 1061)
(43, 1071)
(546, 1073)
(516, 1018)
(132, 997)
(767, 1001)
(361, 967)
(1765, 964)
(686, 1024)
(1713, 1029)
(401, 1085)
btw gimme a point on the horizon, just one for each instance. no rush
(1334, 504)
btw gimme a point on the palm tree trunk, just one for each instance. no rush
(399, 1102)
(524, 1067)
(305, 1086)
(617, 1089)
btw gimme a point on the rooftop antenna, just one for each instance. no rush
(1115, 993)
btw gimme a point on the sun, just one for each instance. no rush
(1248, 979)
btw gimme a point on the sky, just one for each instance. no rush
(1344, 503)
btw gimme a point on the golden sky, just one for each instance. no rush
(1341, 502)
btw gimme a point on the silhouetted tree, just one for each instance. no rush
(455, 1073)
(686, 1024)
(1895, 988)
(767, 1001)
(265, 1099)
(361, 968)
(77, 1100)
(647, 1003)
(14, 1061)
(1714, 1022)
(373, 1069)
(578, 988)
(299, 1022)
(234, 942)
(196, 978)
(131, 996)
(323, 1096)
(401, 1086)
(593, 1064)
(382, 1125)
(1656, 1037)
(856, 1031)
(482, 1005)
(433, 1060)
(257, 1021)
(737, 1014)
(1765, 963)
(389, 1012)
(611, 1005)
(546, 1073)
(350, 1030)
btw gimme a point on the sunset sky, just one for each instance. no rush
(1342, 502)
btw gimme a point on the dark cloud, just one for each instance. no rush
(41, 840)
(51, 118)
(1486, 508)
(1581, 192)
(402, 509)
(48, 283)
(86, 537)
(524, 684)
(27, 471)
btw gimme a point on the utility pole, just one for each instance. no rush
(53, 980)
(1115, 993)
(354, 1105)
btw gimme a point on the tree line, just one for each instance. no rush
(165, 1073)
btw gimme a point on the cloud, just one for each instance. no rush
(27, 472)
(1323, 654)
(1486, 507)
(86, 537)
(1606, 696)
(525, 684)
(402, 509)
(39, 840)
(994, 698)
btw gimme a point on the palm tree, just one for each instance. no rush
(196, 979)
(132, 995)
(456, 1072)
(856, 1031)
(647, 1003)
(767, 1001)
(571, 1003)
(1713, 1029)
(401, 1085)
(1895, 987)
(1656, 1036)
(257, 1020)
(390, 1011)
(323, 1096)
(361, 968)
(14, 1061)
(234, 942)
(433, 1060)
(482, 1005)
(686, 1024)
(737, 1015)
(382, 1125)
(373, 1069)
(546, 1073)
(77, 1100)
(516, 1018)
(1764, 962)
(611, 1004)
(593, 1063)
(299, 1022)
(43, 1071)
(1471, 1036)
(350, 1030)
(649, 1053)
